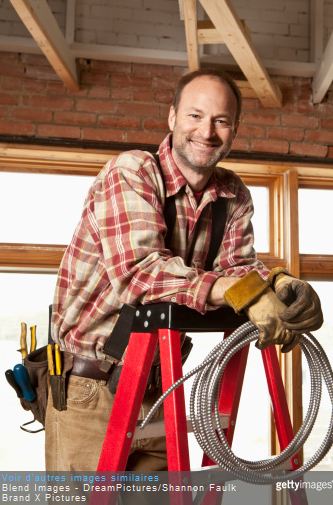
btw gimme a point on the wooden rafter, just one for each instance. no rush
(227, 28)
(324, 75)
(39, 20)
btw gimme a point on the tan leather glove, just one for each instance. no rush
(255, 296)
(304, 312)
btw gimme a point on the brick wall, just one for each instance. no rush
(125, 102)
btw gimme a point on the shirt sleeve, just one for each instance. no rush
(125, 218)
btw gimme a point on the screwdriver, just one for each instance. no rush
(33, 344)
(22, 378)
(12, 382)
(23, 341)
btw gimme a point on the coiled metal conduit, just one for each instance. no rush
(204, 410)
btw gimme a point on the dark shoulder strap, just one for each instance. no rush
(169, 212)
(219, 217)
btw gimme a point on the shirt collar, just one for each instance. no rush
(174, 179)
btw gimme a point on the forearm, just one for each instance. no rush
(220, 286)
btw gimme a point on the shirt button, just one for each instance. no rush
(174, 299)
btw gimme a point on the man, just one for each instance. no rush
(118, 255)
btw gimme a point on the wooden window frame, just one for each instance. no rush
(283, 182)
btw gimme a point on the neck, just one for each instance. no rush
(196, 180)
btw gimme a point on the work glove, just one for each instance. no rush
(304, 312)
(263, 308)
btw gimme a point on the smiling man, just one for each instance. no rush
(122, 252)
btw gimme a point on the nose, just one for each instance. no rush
(207, 128)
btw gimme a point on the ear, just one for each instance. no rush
(172, 118)
(236, 130)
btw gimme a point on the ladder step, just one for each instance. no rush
(156, 427)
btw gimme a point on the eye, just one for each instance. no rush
(195, 116)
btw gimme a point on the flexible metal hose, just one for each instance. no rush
(206, 422)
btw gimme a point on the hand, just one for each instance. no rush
(304, 312)
(264, 313)
(262, 306)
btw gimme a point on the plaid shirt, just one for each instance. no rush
(117, 254)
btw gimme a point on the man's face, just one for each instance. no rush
(204, 125)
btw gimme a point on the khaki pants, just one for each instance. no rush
(74, 437)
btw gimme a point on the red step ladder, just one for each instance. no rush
(163, 323)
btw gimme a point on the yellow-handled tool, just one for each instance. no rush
(23, 341)
(33, 344)
(57, 359)
(50, 361)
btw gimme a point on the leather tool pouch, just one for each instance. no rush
(36, 364)
(37, 367)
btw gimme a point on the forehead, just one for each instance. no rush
(208, 90)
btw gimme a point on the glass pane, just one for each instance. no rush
(23, 298)
(41, 208)
(324, 336)
(315, 209)
(260, 220)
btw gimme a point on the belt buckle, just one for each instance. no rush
(107, 364)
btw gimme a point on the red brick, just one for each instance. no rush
(325, 109)
(9, 57)
(103, 135)
(26, 100)
(270, 146)
(179, 71)
(120, 93)
(330, 152)
(304, 108)
(75, 118)
(6, 99)
(11, 84)
(299, 149)
(299, 121)
(15, 128)
(142, 95)
(99, 92)
(42, 73)
(156, 124)
(36, 115)
(261, 119)
(297, 94)
(327, 124)
(164, 111)
(160, 84)
(276, 132)
(250, 104)
(96, 106)
(56, 88)
(145, 137)
(31, 86)
(52, 102)
(130, 81)
(95, 79)
(59, 131)
(152, 70)
(108, 121)
(319, 136)
(3, 111)
(35, 59)
(251, 131)
(111, 66)
(12, 70)
(128, 122)
(138, 109)
(164, 97)
(240, 144)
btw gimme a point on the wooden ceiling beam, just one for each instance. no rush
(239, 44)
(208, 34)
(190, 20)
(39, 20)
(324, 76)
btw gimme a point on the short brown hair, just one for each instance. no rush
(210, 72)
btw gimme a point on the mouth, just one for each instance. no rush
(204, 145)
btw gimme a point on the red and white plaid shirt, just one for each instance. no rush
(117, 254)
